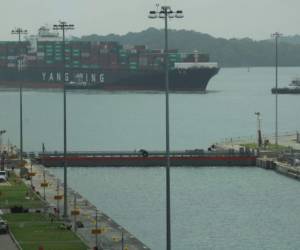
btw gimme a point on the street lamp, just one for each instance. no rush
(63, 26)
(276, 35)
(166, 13)
(259, 138)
(19, 32)
(1, 133)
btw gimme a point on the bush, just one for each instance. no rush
(18, 209)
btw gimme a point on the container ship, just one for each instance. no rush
(43, 61)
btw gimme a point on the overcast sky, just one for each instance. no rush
(256, 19)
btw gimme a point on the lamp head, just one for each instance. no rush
(152, 14)
(171, 14)
(179, 14)
(162, 14)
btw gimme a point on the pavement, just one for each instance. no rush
(111, 232)
(6, 242)
(287, 139)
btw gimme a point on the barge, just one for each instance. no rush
(143, 158)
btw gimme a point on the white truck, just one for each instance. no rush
(3, 176)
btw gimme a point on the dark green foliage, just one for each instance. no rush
(228, 52)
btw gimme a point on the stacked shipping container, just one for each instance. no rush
(11, 51)
(90, 55)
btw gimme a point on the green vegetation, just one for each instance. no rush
(33, 230)
(16, 193)
(243, 52)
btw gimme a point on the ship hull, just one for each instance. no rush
(286, 90)
(194, 79)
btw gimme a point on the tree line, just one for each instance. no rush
(243, 52)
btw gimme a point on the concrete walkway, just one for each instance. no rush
(6, 243)
(111, 236)
(287, 139)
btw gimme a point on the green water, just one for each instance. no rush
(212, 208)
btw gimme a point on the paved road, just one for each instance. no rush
(7, 243)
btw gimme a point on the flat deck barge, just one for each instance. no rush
(145, 158)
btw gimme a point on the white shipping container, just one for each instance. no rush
(104, 51)
(188, 65)
(11, 65)
(85, 54)
(30, 58)
(143, 61)
(11, 57)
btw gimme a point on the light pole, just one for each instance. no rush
(1, 133)
(2, 154)
(63, 26)
(259, 138)
(166, 12)
(19, 32)
(276, 35)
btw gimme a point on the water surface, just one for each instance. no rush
(212, 208)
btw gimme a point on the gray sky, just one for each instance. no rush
(256, 19)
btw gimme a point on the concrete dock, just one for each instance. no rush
(111, 232)
(283, 168)
(285, 160)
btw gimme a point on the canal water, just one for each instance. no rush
(212, 208)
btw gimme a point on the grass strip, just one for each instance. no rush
(33, 230)
(16, 193)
